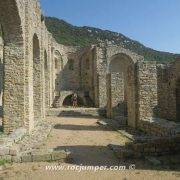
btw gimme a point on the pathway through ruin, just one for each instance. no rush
(87, 141)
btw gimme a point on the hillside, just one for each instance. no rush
(68, 34)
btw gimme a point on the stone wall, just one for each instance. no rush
(147, 91)
(38, 71)
(115, 59)
(88, 74)
(168, 76)
(21, 21)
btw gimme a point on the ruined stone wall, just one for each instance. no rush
(24, 80)
(32, 80)
(147, 91)
(168, 76)
(88, 74)
(34, 64)
(174, 91)
(12, 21)
(163, 88)
(104, 54)
(77, 74)
(63, 77)
(101, 63)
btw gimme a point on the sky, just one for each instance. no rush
(155, 23)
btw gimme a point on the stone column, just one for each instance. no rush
(101, 70)
(147, 91)
(109, 96)
(29, 117)
(13, 98)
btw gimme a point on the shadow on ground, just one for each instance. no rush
(103, 156)
(81, 127)
(75, 114)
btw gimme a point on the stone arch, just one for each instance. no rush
(37, 84)
(121, 88)
(67, 101)
(178, 100)
(13, 57)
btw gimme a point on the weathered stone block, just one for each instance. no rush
(14, 151)
(26, 158)
(4, 151)
(18, 134)
(58, 155)
(41, 157)
(16, 159)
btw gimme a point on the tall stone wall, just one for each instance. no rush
(21, 20)
(174, 91)
(101, 62)
(88, 74)
(147, 91)
(13, 96)
(167, 76)
(32, 80)
(163, 90)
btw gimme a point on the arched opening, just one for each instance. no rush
(178, 100)
(37, 87)
(121, 89)
(68, 101)
(13, 58)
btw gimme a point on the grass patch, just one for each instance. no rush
(3, 162)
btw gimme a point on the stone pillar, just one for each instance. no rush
(131, 95)
(43, 83)
(147, 91)
(52, 88)
(29, 117)
(37, 80)
(109, 96)
(102, 71)
(13, 98)
(47, 81)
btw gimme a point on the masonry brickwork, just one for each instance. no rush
(37, 74)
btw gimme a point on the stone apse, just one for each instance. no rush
(37, 73)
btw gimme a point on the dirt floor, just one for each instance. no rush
(87, 141)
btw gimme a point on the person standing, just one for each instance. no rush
(74, 100)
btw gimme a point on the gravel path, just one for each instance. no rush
(87, 141)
